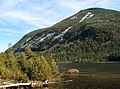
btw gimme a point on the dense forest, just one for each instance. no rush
(26, 66)
(91, 35)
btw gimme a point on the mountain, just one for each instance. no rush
(91, 35)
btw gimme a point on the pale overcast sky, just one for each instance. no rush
(18, 17)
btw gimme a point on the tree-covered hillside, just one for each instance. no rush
(91, 35)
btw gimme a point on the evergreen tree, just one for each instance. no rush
(54, 68)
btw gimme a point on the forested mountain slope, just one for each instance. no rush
(91, 35)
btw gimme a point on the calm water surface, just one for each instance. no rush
(92, 76)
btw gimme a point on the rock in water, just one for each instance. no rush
(73, 71)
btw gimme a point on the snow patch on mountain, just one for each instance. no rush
(62, 34)
(30, 42)
(58, 38)
(87, 16)
(28, 39)
(40, 37)
(74, 17)
(47, 36)
(90, 16)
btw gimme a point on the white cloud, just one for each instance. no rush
(16, 12)
(39, 14)
(15, 16)
(9, 32)
(3, 23)
(77, 5)
(8, 4)
(44, 13)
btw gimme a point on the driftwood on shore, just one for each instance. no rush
(18, 85)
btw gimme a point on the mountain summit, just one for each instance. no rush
(91, 35)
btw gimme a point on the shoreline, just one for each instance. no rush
(89, 62)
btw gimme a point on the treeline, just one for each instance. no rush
(94, 40)
(84, 54)
(89, 43)
(26, 66)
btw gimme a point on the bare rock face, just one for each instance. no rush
(73, 71)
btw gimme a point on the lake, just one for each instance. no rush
(92, 76)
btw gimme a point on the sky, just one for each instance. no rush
(19, 17)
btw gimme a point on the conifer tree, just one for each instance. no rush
(54, 68)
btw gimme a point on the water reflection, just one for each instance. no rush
(53, 86)
(92, 76)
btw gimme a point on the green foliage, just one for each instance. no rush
(25, 65)
(54, 68)
(9, 67)
(42, 69)
(5, 73)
